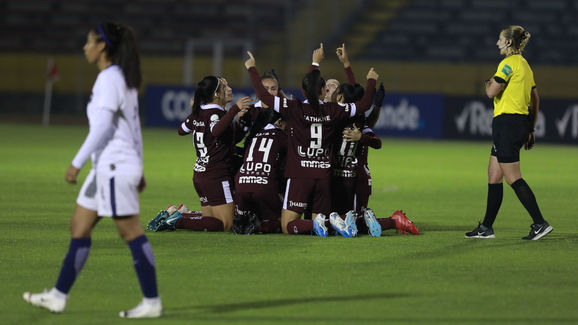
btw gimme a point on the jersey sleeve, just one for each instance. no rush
(100, 130)
(533, 81)
(365, 103)
(226, 121)
(368, 137)
(505, 70)
(350, 75)
(187, 126)
(106, 93)
(313, 66)
(348, 109)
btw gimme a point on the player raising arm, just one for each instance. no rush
(351, 180)
(310, 126)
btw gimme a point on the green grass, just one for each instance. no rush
(438, 277)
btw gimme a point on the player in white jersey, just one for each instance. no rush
(114, 144)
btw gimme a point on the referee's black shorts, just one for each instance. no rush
(509, 132)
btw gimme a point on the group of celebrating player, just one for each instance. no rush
(285, 137)
(299, 157)
(320, 145)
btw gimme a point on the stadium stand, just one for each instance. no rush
(466, 30)
(426, 46)
(407, 30)
(59, 26)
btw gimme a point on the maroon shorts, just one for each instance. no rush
(343, 194)
(301, 193)
(266, 204)
(213, 191)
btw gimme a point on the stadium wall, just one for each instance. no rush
(27, 73)
(411, 115)
(436, 89)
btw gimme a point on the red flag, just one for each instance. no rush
(52, 70)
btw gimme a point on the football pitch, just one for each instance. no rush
(439, 277)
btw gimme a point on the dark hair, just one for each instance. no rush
(270, 75)
(205, 92)
(351, 93)
(265, 117)
(312, 85)
(518, 36)
(120, 47)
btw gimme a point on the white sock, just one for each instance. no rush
(152, 301)
(58, 294)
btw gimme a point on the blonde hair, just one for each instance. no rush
(518, 36)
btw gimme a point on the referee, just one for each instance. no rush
(516, 104)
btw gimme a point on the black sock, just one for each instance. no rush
(495, 194)
(528, 199)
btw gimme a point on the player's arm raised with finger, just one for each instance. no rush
(260, 90)
(367, 100)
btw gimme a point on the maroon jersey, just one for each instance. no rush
(368, 139)
(247, 121)
(310, 133)
(213, 140)
(263, 162)
(345, 162)
(345, 155)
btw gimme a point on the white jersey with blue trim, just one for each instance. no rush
(121, 149)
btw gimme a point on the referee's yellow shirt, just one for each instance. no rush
(515, 96)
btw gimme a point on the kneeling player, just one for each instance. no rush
(258, 181)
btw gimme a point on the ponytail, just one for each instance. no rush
(518, 36)
(128, 58)
(204, 93)
(121, 49)
(312, 85)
